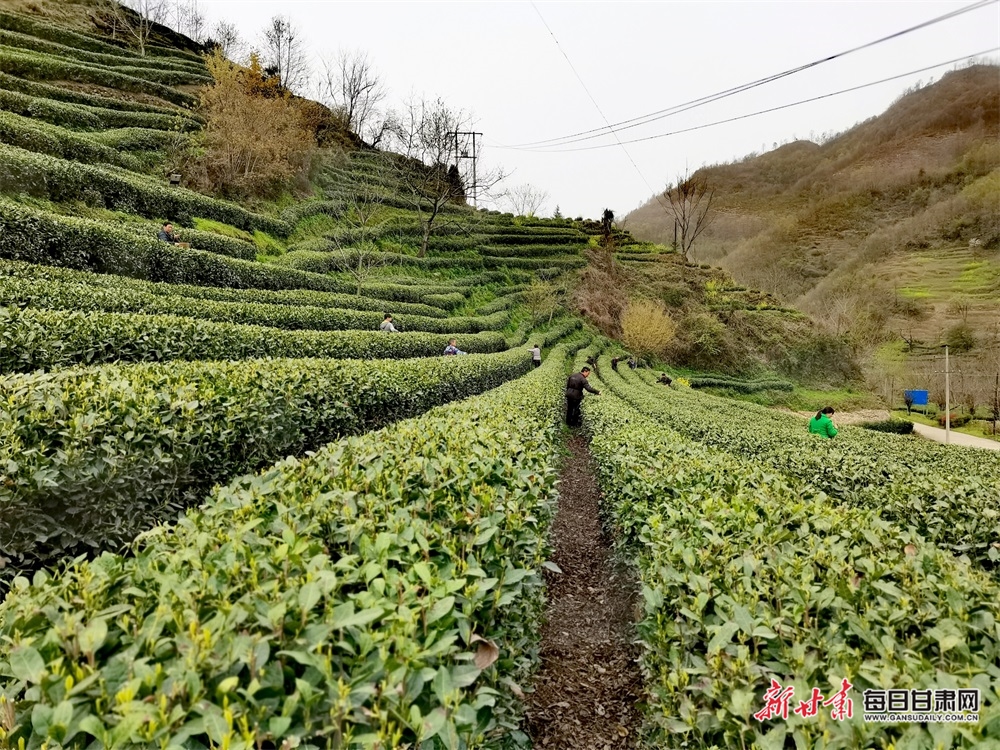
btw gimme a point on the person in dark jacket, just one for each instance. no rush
(575, 387)
(166, 234)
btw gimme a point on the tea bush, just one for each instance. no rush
(946, 493)
(36, 27)
(748, 577)
(91, 455)
(31, 135)
(81, 117)
(340, 601)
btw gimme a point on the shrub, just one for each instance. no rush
(647, 330)
(256, 143)
(961, 338)
(956, 420)
(893, 426)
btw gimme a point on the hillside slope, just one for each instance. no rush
(891, 227)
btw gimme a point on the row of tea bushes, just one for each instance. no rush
(33, 339)
(36, 27)
(382, 593)
(36, 66)
(183, 72)
(89, 456)
(82, 117)
(748, 578)
(947, 493)
(60, 180)
(43, 274)
(49, 239)
(39, 90)
(60, 295)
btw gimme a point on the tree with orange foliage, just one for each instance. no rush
(257, 139)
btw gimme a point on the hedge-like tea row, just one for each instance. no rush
(947, 493)
(60, 295)
(43, 274)
(61, 181)
(33, 339)
(81, 117)
(33, 26)
(49, 239)
(446, 301)
(90, 456)
(534, 238)
(32, 135)
(747, 578)
(539, 263)
(306, 209)
(188, 72)
(742, 386)
(341, 600)
(187, 119)
(527, 251)
(37, 66)
(332, 260)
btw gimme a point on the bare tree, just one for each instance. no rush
(285, 53)
(136, 19)
(362, 262)
(228, 40)
(189, 20)
(425, 135)
(526, 200)
(350, 84)
(690, 200)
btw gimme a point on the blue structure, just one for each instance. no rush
(918, 398)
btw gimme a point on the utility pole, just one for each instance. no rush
(474, 157)
(947, 399)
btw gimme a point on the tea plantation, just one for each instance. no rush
(236, 514)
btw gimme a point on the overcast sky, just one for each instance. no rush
(500, 62)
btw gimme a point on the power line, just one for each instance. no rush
(676, 109)
(753, 114)
(594, 101)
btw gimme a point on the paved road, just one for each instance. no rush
(957, 438)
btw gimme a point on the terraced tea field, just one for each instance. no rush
(234, 513)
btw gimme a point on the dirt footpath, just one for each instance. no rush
(586, 691)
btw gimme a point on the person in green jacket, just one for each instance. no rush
(821, 424)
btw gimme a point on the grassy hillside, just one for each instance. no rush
(885, 231)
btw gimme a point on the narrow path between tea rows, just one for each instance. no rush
(587, 689)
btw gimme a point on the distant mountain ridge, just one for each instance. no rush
(901, 212)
